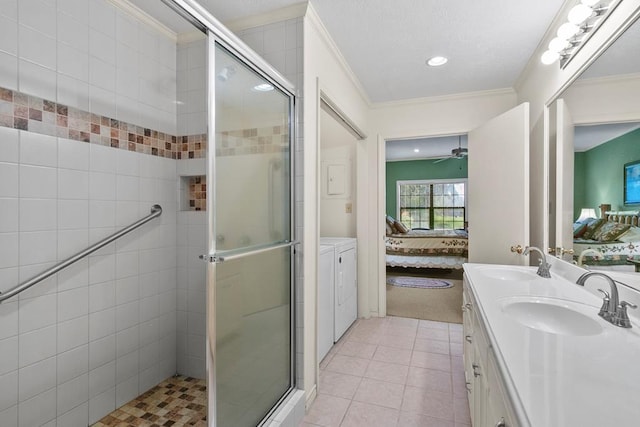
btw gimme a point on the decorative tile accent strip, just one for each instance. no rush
(272, 139)
(33, 114)
(177, 401)
(198, 193)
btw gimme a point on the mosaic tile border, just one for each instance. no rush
(33, 114)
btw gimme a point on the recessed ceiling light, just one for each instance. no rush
(437, 61)
(264, 87)
(416, 150)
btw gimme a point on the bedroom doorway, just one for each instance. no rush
(426, 238)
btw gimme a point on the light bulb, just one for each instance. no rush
(589, 3)
(558, 45)
(579, 13)
(568, 30)
(549, 57)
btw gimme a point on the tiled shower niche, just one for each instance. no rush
(193, 193)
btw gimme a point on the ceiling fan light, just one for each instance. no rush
(549, 57)
(558, 44)
(568, 30)
(579, 13)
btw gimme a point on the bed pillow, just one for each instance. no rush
(391, 223)
(631, 235)
(610, 231)
(579, 229)
(389, 229)
(400, 227)
(592, 228)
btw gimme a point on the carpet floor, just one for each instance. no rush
(442, 305)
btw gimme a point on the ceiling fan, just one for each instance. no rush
(456, 153)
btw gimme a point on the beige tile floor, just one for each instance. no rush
(393, 371)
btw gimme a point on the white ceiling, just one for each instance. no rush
(588, 137)
(488, 42)
(386, 43)
(429, 148)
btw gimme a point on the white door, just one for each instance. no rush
(499, 188)
(564, 179)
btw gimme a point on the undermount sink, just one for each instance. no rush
(502, 273)
(554, 316)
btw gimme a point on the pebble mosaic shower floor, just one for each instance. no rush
(177, 401)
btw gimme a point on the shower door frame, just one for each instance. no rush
(217, 34)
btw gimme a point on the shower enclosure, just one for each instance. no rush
(250, 242)
(109, 107)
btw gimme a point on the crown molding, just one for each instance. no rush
(294, 11)
(597, 81)
(444, 98)
(133, 10)
(314, 19)
(191, 36)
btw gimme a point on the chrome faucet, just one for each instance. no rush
(612, 310)
(543, 269)
(587, 252)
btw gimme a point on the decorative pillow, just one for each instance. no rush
(592, 228)
(609, 231)
(579, 229)
(389, 229)
(400, 227)
(391, 222)
(631, 235)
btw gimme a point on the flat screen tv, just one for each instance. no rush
(632, 183)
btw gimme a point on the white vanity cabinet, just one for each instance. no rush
(488, 403)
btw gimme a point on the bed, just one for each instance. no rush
(621, 250)
(427, 249)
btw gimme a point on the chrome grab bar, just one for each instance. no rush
(156, 211)
(222, 258)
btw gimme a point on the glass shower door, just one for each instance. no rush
(251, 248)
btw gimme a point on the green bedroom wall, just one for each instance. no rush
(601, 171)
(420, 169)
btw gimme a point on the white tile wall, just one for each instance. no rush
(65, 340)
(78, 45)
(191, 293)
(191, 78)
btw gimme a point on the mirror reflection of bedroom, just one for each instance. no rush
(605, 205)
(426, 227)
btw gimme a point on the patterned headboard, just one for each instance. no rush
(623, 217)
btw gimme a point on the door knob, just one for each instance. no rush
(517, 249)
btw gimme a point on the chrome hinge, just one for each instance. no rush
(211, 258)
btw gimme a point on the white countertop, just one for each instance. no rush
(557, 380)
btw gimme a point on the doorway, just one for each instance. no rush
(426, 236)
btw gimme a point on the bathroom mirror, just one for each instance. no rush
(595, 130)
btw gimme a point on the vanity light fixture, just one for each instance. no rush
(582, 21)
(437, 61)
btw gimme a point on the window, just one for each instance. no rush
(435, 204)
